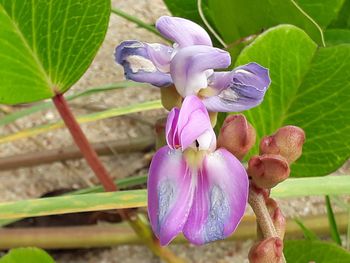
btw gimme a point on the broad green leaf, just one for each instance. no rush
(337, 36)
(138, 198)
(27, 255)
(309, 89)
(139, 107)
(46, 45)
(322, 11)
(304, 251)
(9, 118)
(236, 19)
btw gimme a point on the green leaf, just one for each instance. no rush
(308, 186)
(138, 198)
(114, 112)
(322, 11)
(121, 183)
(337, 36)
(73, 203)
(343, 18)
(236, 19)
(332, 222)
(308, 234)
(27, 255)
(46, 46)
(309, 89)
(300, 251)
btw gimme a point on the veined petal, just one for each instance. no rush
(171, 134)
(220, 199)
(145, 62)
(170, 193)
(191, 66)
(193, 122)
(182, 31)
(238, 90)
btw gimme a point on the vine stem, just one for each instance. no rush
(257, 202)
(83, 144)
(140, 227)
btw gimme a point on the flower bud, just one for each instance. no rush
(268, 170)
(287, 141)
(277, 217)
(266, 251)
(237, 135)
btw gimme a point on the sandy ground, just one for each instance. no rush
(33, 182)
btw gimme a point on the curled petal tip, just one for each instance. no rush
(238, 90)
(182, 31)
(144, 62)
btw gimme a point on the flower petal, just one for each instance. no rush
(193, 122)
(171, 134)
(220, 199)
(238, 90)
(182, 31)
(191, 66)
(144, 62)
(170, 193)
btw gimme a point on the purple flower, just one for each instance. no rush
(190, 64)
(192, 187)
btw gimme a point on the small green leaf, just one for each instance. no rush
(308, 234)
(309, 89)
(332, 222)
(27, 255)
(46, 45)
(304, 251)
(343, 18)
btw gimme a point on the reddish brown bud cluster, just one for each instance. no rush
(267, 251)
(237, 135)
(268, 170)
(276, 153)
(287, 141)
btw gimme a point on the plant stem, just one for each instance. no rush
(108, 184)
(257, 202)
(263, 219)
(83, 144)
